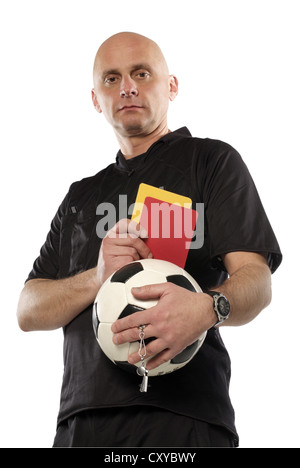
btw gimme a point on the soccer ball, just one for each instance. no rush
(115, 300)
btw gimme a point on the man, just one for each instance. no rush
(101, 404)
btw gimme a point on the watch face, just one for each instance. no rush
(223, 306)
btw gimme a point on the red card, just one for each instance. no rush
(170, 229)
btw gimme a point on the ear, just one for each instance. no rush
(173, 87)
(95, 102)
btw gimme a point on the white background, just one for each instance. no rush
(237, 62)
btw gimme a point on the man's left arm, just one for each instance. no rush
(248, 287)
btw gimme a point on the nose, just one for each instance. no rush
(128, 88)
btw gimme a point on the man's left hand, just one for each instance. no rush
(176, 321)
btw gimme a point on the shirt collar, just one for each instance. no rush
(128, 165)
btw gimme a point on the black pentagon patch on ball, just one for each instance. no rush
(182, 281)
(126, 272)
(95, 319)
(185, 355)
(130, 309)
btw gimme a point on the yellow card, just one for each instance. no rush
(146, 190)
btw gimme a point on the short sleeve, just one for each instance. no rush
(46, 266)
(236, 219)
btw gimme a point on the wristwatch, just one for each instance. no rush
(221, 306)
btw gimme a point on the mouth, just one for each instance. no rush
(128, 108)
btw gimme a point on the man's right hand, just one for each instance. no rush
(122, 244)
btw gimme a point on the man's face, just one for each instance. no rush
(132, 85)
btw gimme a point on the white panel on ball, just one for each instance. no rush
(110, 303)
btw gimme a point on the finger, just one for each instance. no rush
(132, 334)
(131, 321)
(156, 350)
(123, 251)
(135, 242)
(127, 226)
(158, 358)
(141, 248)
(150, 291)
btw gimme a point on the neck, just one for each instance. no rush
(135, 145)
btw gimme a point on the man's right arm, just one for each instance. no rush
(48, 304)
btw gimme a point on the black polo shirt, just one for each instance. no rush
(208, 171)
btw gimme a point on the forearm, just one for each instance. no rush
(249, 291)
(50, 304)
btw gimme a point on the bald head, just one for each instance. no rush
(131, 45)
(132, 87)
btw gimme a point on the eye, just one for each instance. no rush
(142, 74)
(110, 80)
